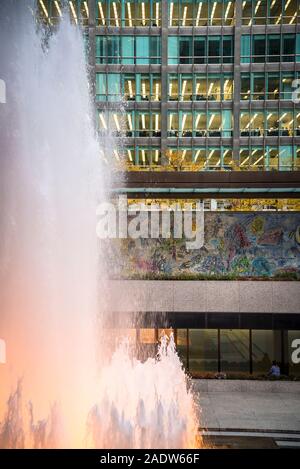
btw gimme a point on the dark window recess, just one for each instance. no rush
(214, 51)
(259, 45)
(185, 50)
(288, 48)
(227, 50)
(199, 51)
(274, 49)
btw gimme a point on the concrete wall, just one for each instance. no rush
(205, 296)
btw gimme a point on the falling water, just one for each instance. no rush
(58, 387)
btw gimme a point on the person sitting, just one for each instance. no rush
(274, 370)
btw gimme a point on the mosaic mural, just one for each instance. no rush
(236, 245)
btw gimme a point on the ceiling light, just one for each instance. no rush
(198, 13)
(73, 12)
(86, 8)
(117, 122)
(130, 155)
(116, 14)
(58, 7)
(129, 121)
(101, 13)
(171, 13)
(102, 120)
(129, 14)
(227, 10)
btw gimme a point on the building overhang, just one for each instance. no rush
(186, 184)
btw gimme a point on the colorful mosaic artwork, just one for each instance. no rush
(236, 245)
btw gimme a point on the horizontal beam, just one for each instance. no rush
(210, 179)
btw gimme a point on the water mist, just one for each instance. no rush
(58, 387)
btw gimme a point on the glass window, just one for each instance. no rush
(234, 350)
(290, 12)
(113, 50)
(173, 87)
(142, 50)
(214, 49)
(272, 159)
(275, 12)
(245, 124)
(101, 87)
(186, 12)
(214, 88)
(228, 13)
(201, 88)
(214, 124)
(186, 88)
(130, 124)
(145, 87)
(114, 86)
(228, 87)
(200, 158)
(101, 16)
(272, 124)
(156, 88)
(286, 85)
(286, 158)
(227, 161)
(260, 12)
(227, 49)
(174, 13)
(297, 158)
(286, 123)
(259, 48)
(115, 13)
(199, 50)
(288, 47)
(129, 87)
(203, 350)
(297, 124)
(201, 13)
(101, 49)
(258, 86)
(227, 123)
(257, 159)
(186, 121)
(245, 48)
(247, 12)
(129, 19)
(257, 127)
(200, 124)
(185, 50)
(156, 124)
(273, 48)
(127, 49)
(143, 13)
(143, 124)
(244, 158)
(181, 345)
(273, 86)
(173, 50)
(173, 124)
(213, 161)
(245, 86)
(266, 347)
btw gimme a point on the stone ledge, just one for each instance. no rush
(240, 385)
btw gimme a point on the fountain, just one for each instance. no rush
(53, 283)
